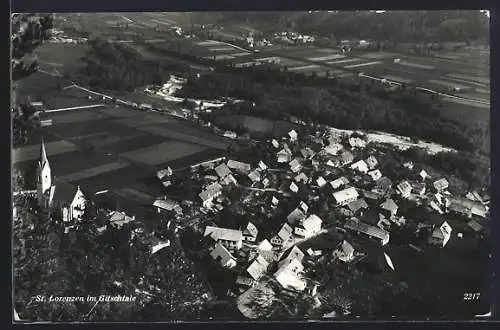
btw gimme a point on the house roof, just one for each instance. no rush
(384, 183)
(418, 186)
(163, 173)
(223, 234)
(371, 161)
(257, 268)
(423, 174)
(120, 218)
(347, 157)
(210, 191)
(301, 177)
(292, 134)
(295, 216)
(295, 163)
(262, 165)
(346, 248)
(294, 187)
(443, 231)
(285, 232)
(294, 254)
(311, 222)
(342, 195)
(168, 204)
(333, 148)
(358, 204)
(404, 187)
(375, 174)
(321, 181)
(254, 176)
(251, 229)
(265, 245)
(307, 152)
(441, 184)
(240, 166)
(389, 205)
(222, 170)
(339, 182)
(360, 164)
(366, 229)
(275, 143)
(476, 226)
(244, 281)
(219, 251)
(64, 192)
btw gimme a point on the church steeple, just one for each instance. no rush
(43, 155)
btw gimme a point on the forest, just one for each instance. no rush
(120, 67)
(345, 105)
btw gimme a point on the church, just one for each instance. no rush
(57, 194)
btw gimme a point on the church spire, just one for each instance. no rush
(43, 155)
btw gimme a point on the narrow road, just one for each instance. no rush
(76, 108)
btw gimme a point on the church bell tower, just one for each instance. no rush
(44, 178)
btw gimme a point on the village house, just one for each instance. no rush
(294, 254)
(435, 207)
(307, 153)
(301, 178)
(344, 197)
(119, 219)
(283, 236)
(289, 276)
(404, 188)
(295, 216)
(389, 206)
(250, 233)
(239, 166)
(275, 143)
(337, 183)
(257, 268)
(333, 149)
(418, 188)
(231, 238)
(309, 226)
(262, 166)
(222, 170)
(211, 191)
(356, 142)
(274, 201)
(360, 166)
(375, 174)
(303, 206)
(293, 187)
(321, 182)
(165, 173)
(229, 180)
(441, 235)
(408, 165)
(167, 205)
(265, 245)
(223, 256)
(293, 135)
(371, 196)
(230, 134)
(159, 245)
(284, 156)
(371, 162)
(345, 252)
(441, 185)
(254, 176)
(346, 158)
(371, 231)
(356, 206)
(423, 174)
(295, 165)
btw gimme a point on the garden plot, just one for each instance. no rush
(94, 171)
(163, 152)
(31, 153)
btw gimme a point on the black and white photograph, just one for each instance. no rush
(251, 166)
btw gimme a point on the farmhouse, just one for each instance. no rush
(238, 166)
(441, 235)
(321, 181)
(441, 184)
(295, 165)
(370, 231)
(356, 142)
(344, 197)
(301, 177)
(119, 219)
(275, 143)
(257, 268)
(404, 188)
(357, 205)
(250, 233)
(159, 245)
(307, 153)
(229, 237)
(382, 186)
(223, 256)
(262, 166)
(211, 191)
(371, 162)
(418, 188)
(265, 245)
(295, 216)
(294, 254)
(423, 175)
(389, 206)
(283, 235)
(408, 165)
(167, 205)
(283, 156)
(293, 187)
(293, 135)
(254, 176)
(162, 174)
(337, 183)
(288, 276)
(360, 166)
(375, 174)
(333, 149)
(222, 170)
(345, 252)
(346, 158)
(309, 226)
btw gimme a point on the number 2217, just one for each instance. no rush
(471, 296)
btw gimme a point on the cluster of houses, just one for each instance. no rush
(293, 38)
(353, 185)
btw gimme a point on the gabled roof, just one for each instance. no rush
(389, 205)
(254, 176)
(342, 195)
(240, 166)
(337, 183)
(265, 245)
(441, 184)
(168, 205)
(301, 177)
(404, 187)
(251, 229)
(295, 216)
(220, 251)
(346, 157)
(285, 232)
(257, 268)
(223, 234)
(222, 170)
(375, 174)
(120, 218)
(358, 204)
(371, 162)
(359, 165)
(311, 222)
(64, 192)
(321, 181)
(210, 191)
(294, 254)
(294, 187)
(262, 165)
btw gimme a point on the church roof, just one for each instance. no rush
(64, 191)
(43, 154)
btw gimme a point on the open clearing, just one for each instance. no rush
(31, 153)
(163, 152)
